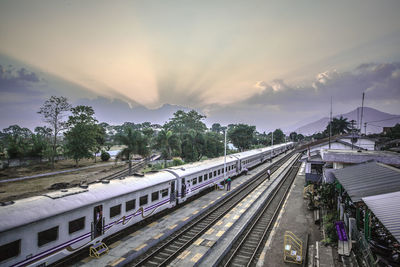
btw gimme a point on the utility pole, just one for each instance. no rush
(330, 125)
(352, 133)
(365, 129)
(272, 144)
(362, 111)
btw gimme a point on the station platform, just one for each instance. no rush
(121, 252)
(295, 217)
(206, 250)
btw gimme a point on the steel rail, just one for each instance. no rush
(259, 220)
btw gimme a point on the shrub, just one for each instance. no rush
(105, 156)
(177, 162)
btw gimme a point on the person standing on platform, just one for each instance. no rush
(228, 187)
(268, 174)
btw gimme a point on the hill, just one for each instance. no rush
(375, 121)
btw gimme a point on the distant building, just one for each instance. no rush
(314, 162)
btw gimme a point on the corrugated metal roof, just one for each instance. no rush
(387, 208)
(368, 179)
(356, 156)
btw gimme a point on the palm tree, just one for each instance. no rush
(339, 126)
(135, 143)
(167, 142)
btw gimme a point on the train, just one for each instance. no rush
(41, 230)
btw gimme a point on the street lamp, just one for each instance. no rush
(224, 156)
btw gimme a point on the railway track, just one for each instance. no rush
(125, 172)
(164, 252)
(247, 248)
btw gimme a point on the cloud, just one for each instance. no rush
(261, 85)
(279, 104)
(10, 76)
(381, 82)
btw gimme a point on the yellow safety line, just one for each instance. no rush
(196, 257)
(117, 261)
(140, 247)
(173, 226)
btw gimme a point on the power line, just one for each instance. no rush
(396, 117)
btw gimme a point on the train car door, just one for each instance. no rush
(98, 221)
(172, 197)
(183, 188)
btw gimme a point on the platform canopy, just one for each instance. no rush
(368, 179)
(386, 208)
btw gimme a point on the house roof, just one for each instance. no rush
(356, 156)
(325, 141)
(386, 208)
(368, 179)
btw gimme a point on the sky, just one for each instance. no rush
(273, 64)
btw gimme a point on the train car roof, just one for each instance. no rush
(28, 210)
(250, 153)
(188, 169)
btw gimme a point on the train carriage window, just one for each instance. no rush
(164, 192)
(143, 200)
(219, 172)
(200, 179)
(154, 196)
(76, 225)
(194, 181)
(222, 170)
(47, 236)
(114, 211)
(205, 177)
(130, 205)
(215, 173)
(10, 250)
(210, 174)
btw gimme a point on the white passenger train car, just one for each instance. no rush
(41, 230)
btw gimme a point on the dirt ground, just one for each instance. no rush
(45, 167)
(37, 186)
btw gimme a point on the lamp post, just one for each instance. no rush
(224, 156)
(272, 144)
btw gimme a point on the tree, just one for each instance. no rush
(293, 136)
(81, 138)
(300, 137)
(100, 139)
(241, 135)
(339, 126)
(41, 143)
(53, 112)
(167, 142)
(395, 132)
(217, 128)
(17, 141)
(214, 145)
(182, 122)
(135, 143)
(193, 146)
(279, 137)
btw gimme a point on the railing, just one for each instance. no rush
(292, 248)
(361, 248)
